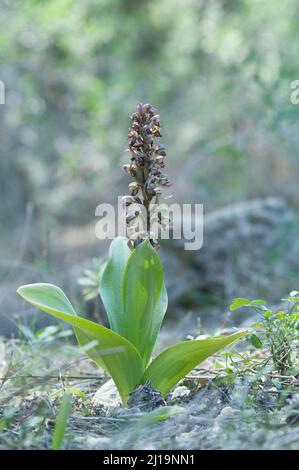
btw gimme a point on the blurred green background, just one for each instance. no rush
(219, 73)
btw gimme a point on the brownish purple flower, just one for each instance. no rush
(146, 169)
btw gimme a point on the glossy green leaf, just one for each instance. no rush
(111, 285)
(175, 362)
(145, 299)
(239, 303)
(158, 315)
(112, 352)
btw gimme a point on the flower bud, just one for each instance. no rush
(157, 191)
(141, 108)
(134, 188)
(127, 168)
(160, 159)
(147, 162)
(156, 119)
(160, 150)
(132, 216)
(126, 201)
(156, 131)
(154, 243)
(135, 126)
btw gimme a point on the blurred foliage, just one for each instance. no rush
(219, 73)
(278, 330)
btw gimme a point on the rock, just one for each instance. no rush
(106, 397)
(94, 443)
(226, 413)
(245, 253)
(180, 392)
(228, 410)
(250, 249)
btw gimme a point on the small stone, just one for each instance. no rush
(180, 392)
(227, 410)
(106, 396)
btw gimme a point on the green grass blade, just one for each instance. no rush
(157, 415)
(61, 421)
(112, 352)
(174, 363)
(112, 281)
(145, 299)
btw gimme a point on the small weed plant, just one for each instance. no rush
(276, 330)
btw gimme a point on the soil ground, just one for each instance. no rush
(221, 408)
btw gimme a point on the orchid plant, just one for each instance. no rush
(132, 286)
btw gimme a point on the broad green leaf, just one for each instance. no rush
(258, 302)
(61, 421)
(175, 362)
(145, 299)
(111, 284)
(112, 352)
(291, 298)
(158, 316)
(238, 303)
